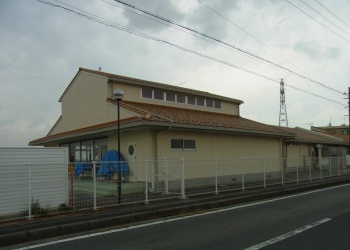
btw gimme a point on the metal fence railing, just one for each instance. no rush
(41, 189)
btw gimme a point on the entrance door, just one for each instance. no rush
(131, 151)
(131, 158)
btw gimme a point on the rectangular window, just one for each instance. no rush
(147, 93)
(170, 97)
(209, 103)
(158, 95)
(180, 98)
(200, 101)
(74, 152)
(191, 100)
(100, 148)
(176, 143)
(183, 144)
(86, 151)
(189, 144)
(217, 104)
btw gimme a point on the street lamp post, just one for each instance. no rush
(118, 95)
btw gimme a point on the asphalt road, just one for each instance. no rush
(315, 220)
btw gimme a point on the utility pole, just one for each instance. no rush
(283, 109)
(348, 94)
(349, 118)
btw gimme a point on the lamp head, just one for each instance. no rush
(118, 94)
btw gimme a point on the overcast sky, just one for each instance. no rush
(42, 48)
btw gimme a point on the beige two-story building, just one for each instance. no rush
(155, 117)
(157, 121)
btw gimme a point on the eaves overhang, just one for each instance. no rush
(154, 125)
(339, 143)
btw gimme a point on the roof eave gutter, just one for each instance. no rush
(315, 142)
(223, 129)
(160, 124)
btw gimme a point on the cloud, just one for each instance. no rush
(315, 51)
(136, 19)
(41, 49)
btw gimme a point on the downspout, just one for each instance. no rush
(283, 154)
(156, 144)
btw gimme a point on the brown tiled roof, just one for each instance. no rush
(344, 137)
(308, 136)
(177, 116)
(159, 113)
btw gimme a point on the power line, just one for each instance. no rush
(219, 41)
(332, 13)
(249, 34)
(318, 21)
(172, 26)
(324, 17)
(141, 34)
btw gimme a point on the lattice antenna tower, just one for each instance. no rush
(283, 108)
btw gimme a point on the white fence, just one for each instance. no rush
(33, 189)
(146, 181)
(33, 181)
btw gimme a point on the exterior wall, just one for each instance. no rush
(298, 151)
(227, 149)
(219, 146)
(133, 93)
(84, 104)
(144, 141)
(144, 149)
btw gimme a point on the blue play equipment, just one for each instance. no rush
(82, 167)
(109, 165)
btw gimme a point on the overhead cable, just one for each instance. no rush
(318, 22)
(249, 34)
(174, 27)
(227, 44)
(324, 17)
(332, 13)
(141, 34)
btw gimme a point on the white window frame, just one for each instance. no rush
(183, 144)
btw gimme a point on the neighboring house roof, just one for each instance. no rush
(160, 116)
(342, 136)
(331, 127)
(149, 84)
(308, 136)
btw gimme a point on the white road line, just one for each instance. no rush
(287, 235)
(174, 219)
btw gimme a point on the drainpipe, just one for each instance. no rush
(156, 144)
(282, 153)
(319, 150)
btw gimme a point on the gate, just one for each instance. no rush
(168, 176)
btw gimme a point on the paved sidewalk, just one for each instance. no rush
(13, 233)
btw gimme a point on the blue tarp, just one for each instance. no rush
(82, 167)
(109, 165)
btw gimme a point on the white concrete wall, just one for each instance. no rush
(38, 174)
